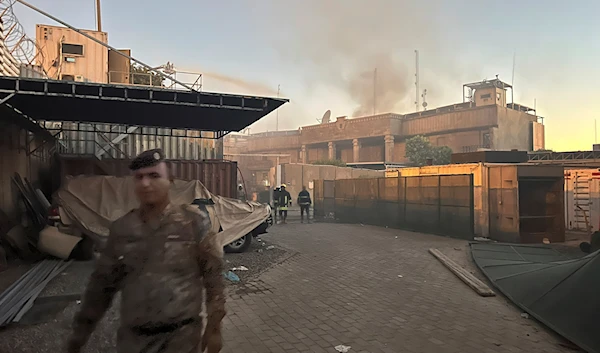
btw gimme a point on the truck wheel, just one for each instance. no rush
(240, 245)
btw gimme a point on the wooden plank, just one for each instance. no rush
(478, 286)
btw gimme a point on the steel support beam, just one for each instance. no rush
(116, 140)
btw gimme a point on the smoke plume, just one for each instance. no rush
(341, 43)
(251, 87)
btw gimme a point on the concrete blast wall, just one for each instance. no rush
(295, 175)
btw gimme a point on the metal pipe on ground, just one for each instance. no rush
(22, 282)
(21, 297)
(10, 306)
(21, 300)
(16, 283)
(29, 304)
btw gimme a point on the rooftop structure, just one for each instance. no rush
(483, 121)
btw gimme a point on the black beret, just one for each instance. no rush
(147, 159)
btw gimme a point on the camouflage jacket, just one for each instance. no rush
(161, 268)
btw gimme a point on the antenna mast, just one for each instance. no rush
(375, 92)
(277, 111)
(512, 83)
(98, 16)
(417, 78)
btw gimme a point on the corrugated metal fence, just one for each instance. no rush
(440, 204)
(219, 176)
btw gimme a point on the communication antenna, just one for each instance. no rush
(424, 96)
(375, 92)
(512, 81)
(277, 111)
(326, 117)
(417, 78)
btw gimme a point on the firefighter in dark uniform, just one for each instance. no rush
(285, 200)
(161, 257)
(276, 193)
(304, 201)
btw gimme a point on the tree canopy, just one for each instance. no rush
(419, 150)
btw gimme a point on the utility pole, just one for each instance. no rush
(277, 111)
(98, 16)
(417, 103)
(375, 92)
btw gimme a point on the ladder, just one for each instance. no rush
(581, 199)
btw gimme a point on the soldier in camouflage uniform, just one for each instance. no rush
(160, 257)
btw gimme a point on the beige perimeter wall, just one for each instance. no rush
(296, 175)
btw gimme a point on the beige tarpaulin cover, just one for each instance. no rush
(94, 202)
(55, 243)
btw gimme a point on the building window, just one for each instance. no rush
(486, 96)
(72, 49)
(498, 97)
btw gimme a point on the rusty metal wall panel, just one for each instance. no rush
(541, 210)
(93, 139)
(504, 205)
(442, 204)
(318, 195)
(219, 176)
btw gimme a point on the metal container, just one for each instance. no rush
(219, 176)
(106, 141)
(512, 202)
(91, 64)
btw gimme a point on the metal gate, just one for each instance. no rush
(328, 199)
(324, 199)
(441, 204)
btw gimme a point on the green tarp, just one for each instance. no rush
(561, 290)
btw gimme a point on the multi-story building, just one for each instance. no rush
(483, 120)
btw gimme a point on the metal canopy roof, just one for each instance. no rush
(52, 100)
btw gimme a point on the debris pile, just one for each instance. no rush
(34, 235)
(17, 299)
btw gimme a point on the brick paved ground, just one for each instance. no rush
(343, 287)
(340, 286)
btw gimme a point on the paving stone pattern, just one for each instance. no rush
(343, 286)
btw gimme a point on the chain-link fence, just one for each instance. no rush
(440, 204)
